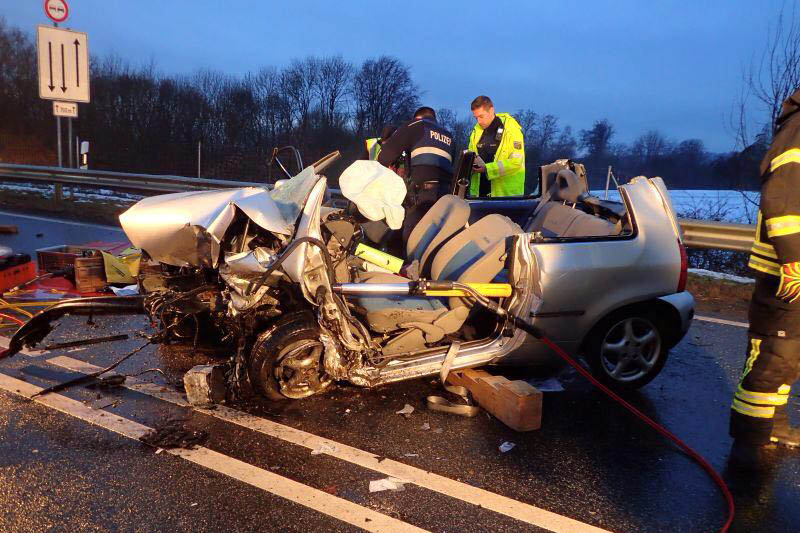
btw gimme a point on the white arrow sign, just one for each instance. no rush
(63, 64)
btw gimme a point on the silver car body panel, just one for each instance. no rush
(185, 229)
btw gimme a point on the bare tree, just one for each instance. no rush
(332, 86)
(383, 93)
(770, 80)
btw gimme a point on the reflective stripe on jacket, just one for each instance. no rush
(373, 148)
(507, 172)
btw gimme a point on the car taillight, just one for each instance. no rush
(684, 267)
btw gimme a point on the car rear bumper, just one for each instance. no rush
(683, 303)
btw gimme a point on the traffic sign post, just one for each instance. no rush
(63, 64)
(65, 109)
(57, 10)
(63, 68)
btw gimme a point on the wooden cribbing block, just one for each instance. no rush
(515, 403)
(7, 229)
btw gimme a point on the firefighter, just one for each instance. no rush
(499, 169)
(758, 412)
(428, 149)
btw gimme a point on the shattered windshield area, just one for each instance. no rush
(291, 196)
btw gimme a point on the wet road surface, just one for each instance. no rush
(591, 462)
(72, 463)
(40, 232)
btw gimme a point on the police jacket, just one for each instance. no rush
(778, 226)
(429, 148)
(507, 172)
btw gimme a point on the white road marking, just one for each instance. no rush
(443, 485)
(62, 221)
(4, 342)
(722, 321)
(265, 480)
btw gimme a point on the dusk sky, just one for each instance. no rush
(675, 67)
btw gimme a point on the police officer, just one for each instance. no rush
(372, 147)
(428, 149)
(772, 365)
(497, 139)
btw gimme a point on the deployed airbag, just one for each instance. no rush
(376, 190)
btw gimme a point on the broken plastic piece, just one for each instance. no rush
(406, 410)
(506, 446)
(323, 448)
(389, 483)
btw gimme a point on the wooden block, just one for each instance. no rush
(515, 403)
(8, 229)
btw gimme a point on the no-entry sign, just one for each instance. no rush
(57, 10)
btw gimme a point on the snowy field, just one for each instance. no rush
(728, 206)
(701, 204)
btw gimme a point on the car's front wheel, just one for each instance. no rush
(628, 349)
(286, 360)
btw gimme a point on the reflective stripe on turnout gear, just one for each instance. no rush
(764, 265)
(762, 398)
(767, 250)
(789, 156)
(752, 410)
(784, 225)
(755, 350)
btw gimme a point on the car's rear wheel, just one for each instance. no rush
(628, 349)
(286, 360)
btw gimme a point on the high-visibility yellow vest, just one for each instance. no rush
(373, 148)
(507, 172)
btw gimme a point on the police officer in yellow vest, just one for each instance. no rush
(497, 139)
(772, 364)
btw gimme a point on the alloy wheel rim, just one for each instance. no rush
(630, 349)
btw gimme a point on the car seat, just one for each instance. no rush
(476, 254)
(558, 217)
(447, 216)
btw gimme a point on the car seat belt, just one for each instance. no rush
(437, 403)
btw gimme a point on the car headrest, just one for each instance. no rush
(569, 188)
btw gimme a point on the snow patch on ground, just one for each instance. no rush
(719, 275)
(83, 195)
(701, 204)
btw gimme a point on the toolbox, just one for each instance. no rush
(57, 258)
(90, 274)
(16, 275)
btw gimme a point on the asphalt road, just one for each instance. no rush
(72, 462)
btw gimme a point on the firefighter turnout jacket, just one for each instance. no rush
(772, 358)
(506, 173)
(777, 239)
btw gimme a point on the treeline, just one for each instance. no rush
(226, 126)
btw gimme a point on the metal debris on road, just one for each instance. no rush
(506, 447)
(389, 483)
(113, 381)
(425, 427)
(174, 434)
(85, 342)
(405, 411)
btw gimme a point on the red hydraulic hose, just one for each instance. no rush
(12, 319)
(643, 417)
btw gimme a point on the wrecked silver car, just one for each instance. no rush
(277, 277)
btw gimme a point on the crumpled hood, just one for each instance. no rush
(185, 229)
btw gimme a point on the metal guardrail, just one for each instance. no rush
(123, 181)
(696, 233)
(717, 235)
